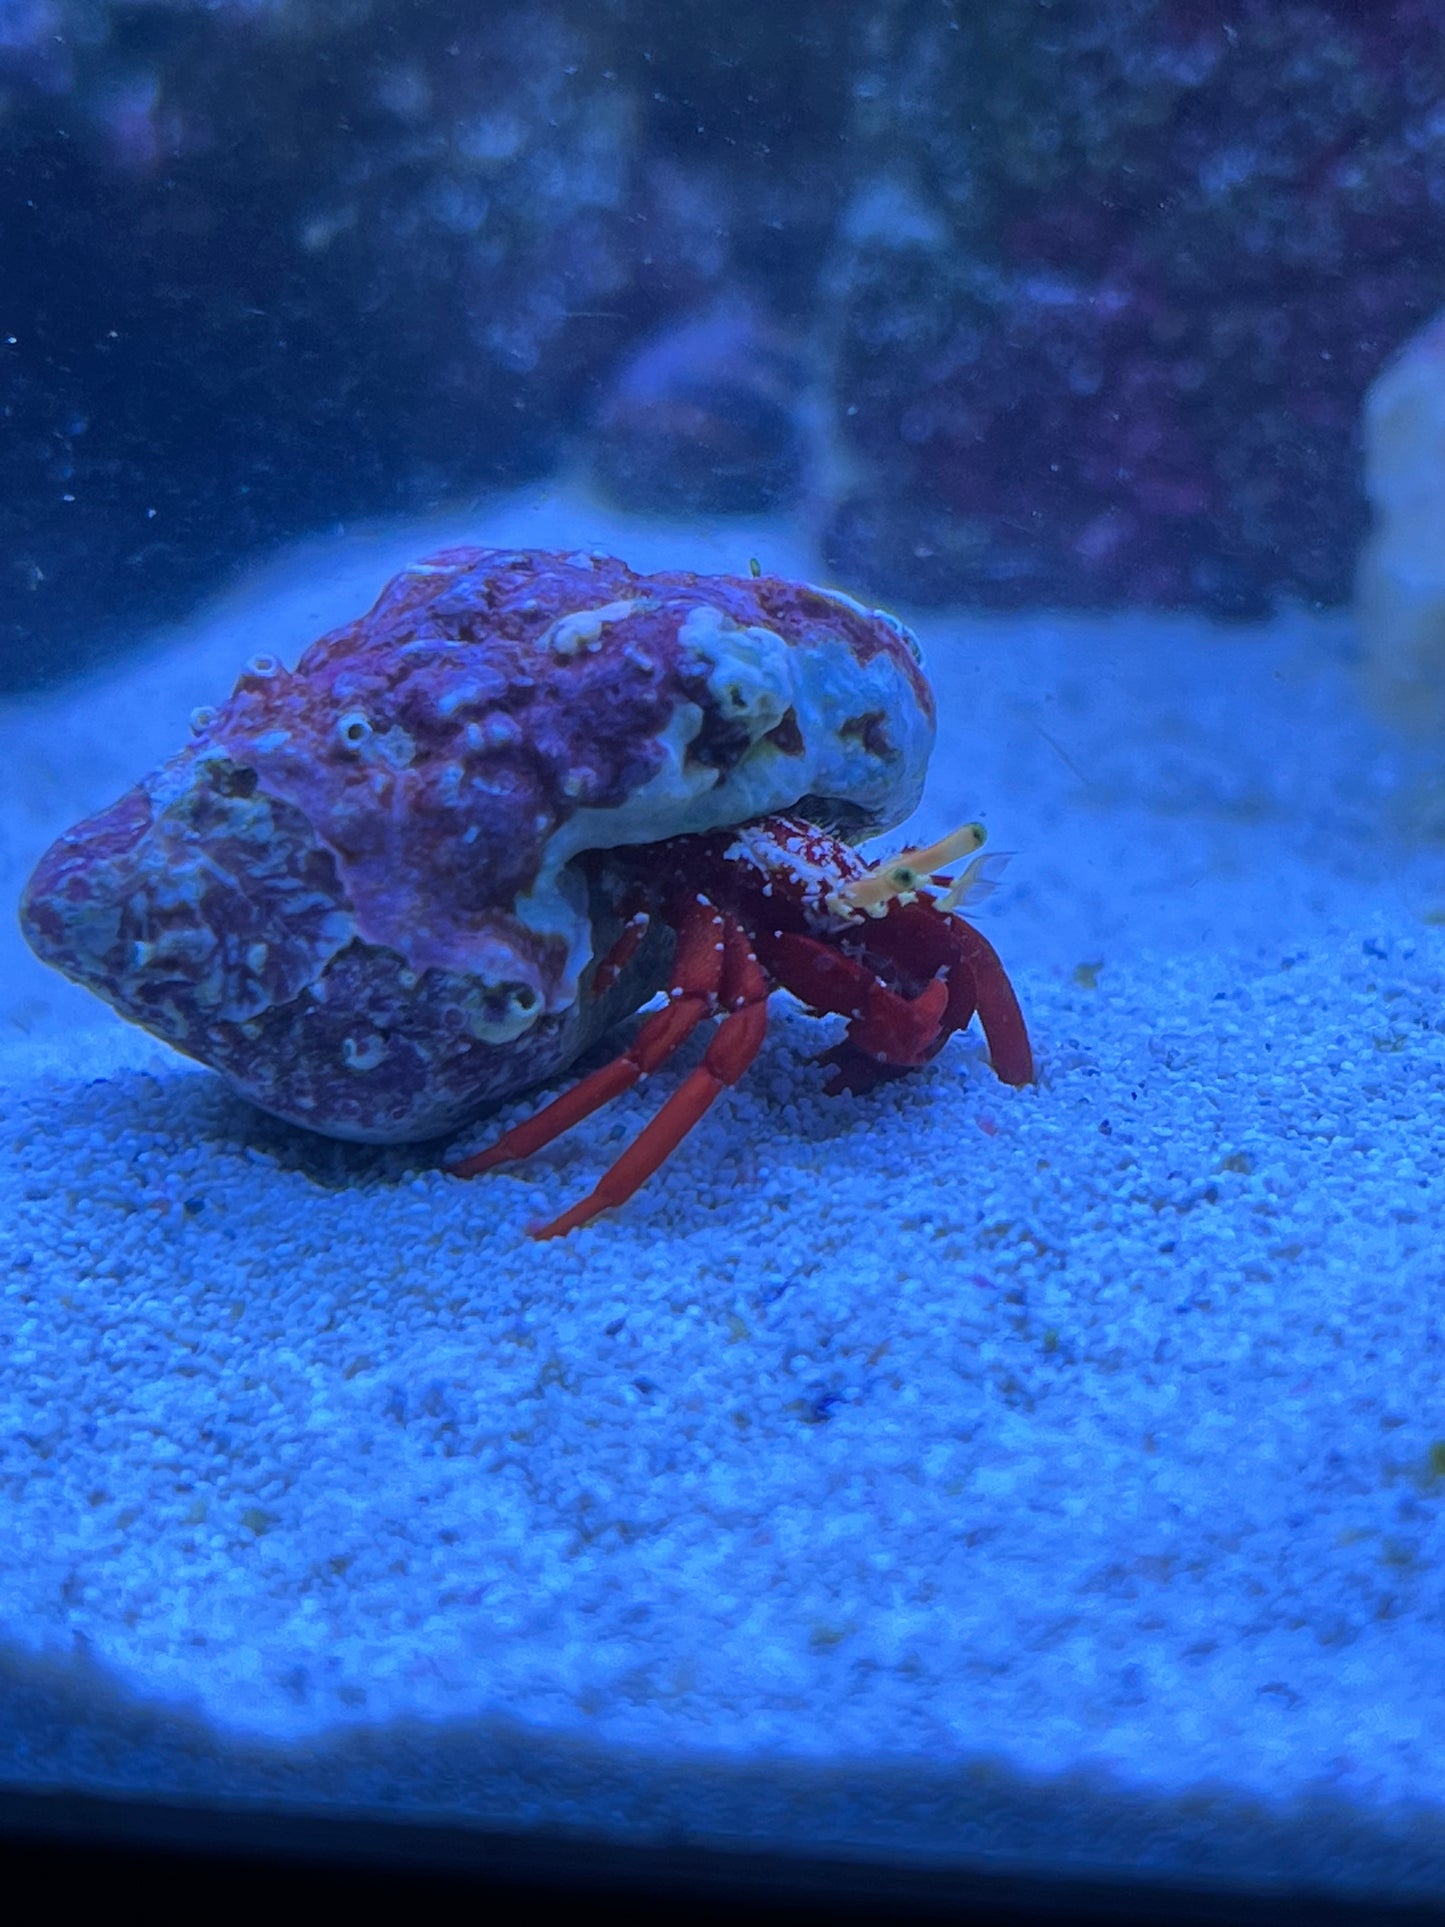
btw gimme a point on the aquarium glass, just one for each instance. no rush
(851, 593)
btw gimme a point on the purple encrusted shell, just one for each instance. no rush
(359, 892)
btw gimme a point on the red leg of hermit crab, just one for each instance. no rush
(998, 1008)
(891, 1033)
(902, 1032)
(714, 966)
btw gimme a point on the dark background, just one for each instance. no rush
(1026, 302)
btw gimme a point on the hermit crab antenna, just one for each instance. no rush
(904, 874)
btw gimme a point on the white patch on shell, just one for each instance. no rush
(664, 806)
(755, 677)
(354, 733)
(750, 671)
(569, 635)
(900, 629)
(459, 696)
(506, 994)
(363, 1052)
(498, 731)
(505, 1014)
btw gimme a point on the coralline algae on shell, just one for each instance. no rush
(372, 892)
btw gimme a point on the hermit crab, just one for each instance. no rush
(524, 796)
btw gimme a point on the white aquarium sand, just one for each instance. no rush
(1050, 1479)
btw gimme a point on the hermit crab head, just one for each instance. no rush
(373, 891)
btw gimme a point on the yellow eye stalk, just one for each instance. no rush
(912, 870)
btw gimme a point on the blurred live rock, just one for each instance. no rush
(1040, 304)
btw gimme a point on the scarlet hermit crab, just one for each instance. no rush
(474, 830)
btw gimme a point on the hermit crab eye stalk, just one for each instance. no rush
(904, 875)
